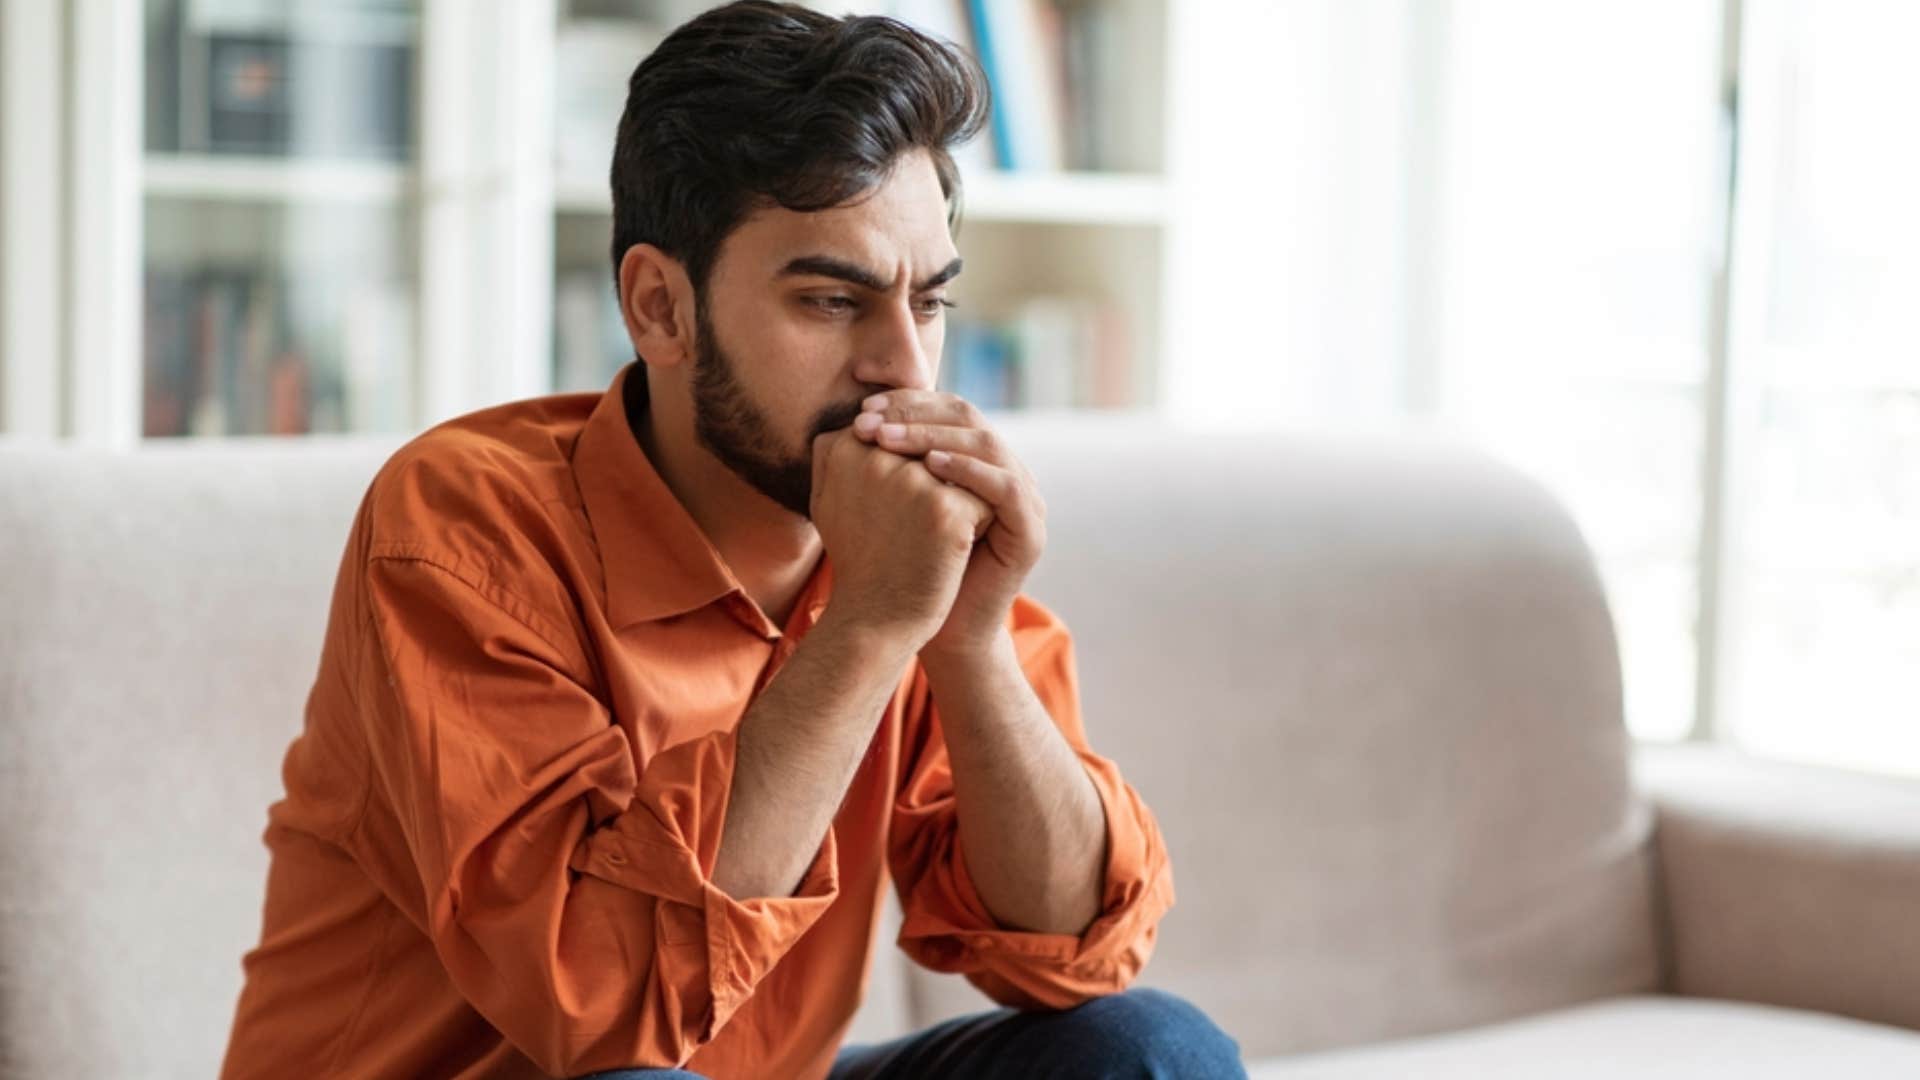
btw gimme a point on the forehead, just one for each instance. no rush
(902, 222)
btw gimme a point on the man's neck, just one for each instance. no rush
(771, 551)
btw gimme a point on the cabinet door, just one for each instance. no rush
(596, 46)
(280, 257)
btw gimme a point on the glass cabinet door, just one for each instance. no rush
(597, 44)
(280, 222)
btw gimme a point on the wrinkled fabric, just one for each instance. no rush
(494, 854)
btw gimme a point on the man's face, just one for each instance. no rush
(804, 315)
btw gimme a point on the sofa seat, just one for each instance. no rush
(1642, 1036)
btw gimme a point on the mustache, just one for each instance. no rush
(834, 417)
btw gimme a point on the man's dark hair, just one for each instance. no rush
(757, 103)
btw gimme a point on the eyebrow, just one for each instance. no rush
(828, 266)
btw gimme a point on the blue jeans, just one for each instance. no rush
(1138, 1035)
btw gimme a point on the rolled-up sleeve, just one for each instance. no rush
(948, 928)
(566, 884)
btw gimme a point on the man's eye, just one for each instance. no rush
(933, 305)
(832, 303)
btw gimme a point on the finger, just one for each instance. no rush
(866, 426)
(916, 440)
(925, 407)
(983, 515)
(1001, 488)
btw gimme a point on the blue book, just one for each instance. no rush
(990, 62)
(980, 364)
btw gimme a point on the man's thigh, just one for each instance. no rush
(1141, 1033)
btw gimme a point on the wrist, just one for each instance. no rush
(861, 640)
(946, 658)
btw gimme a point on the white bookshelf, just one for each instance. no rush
(212, 177)
(480, 225)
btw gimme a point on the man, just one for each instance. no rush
(631, 703)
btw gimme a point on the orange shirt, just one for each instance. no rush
(493, 856)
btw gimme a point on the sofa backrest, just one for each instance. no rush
(1370, 688)
(161, 613)
(1370, 692)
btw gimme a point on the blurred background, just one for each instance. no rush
(1662, 254)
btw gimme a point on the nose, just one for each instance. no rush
(898, 352)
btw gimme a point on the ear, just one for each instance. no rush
(656, 301)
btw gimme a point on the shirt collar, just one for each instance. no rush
(656, 560)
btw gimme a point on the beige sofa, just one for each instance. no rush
(1370, 689)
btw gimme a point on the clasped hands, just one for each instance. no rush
(932, 523)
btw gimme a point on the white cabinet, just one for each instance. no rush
(237, 217)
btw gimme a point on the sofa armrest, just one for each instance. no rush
(1788, 884)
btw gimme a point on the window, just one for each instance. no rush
(1525, 220)
(1576, 208)
(1822, 649)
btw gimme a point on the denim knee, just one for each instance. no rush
(1149, 1033)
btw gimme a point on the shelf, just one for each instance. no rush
(1067, 198)
(1036, 198)
(270, 180)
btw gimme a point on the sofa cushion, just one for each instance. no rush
(1645, 1037)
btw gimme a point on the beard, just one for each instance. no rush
(739, 433)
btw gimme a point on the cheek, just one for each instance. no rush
(783, 348)
(802, 357)
(799, 367)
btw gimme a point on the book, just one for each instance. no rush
(219, 312)
(979, 364)
(167, 352)
(227, 352)
(1051, 353)
(289, 394)
(1020, 47)
(1093, 85)
(258, 341)
(1110, 374)
(1047, 352)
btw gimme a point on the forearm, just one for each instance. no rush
(1031, 825)
(798, 746)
